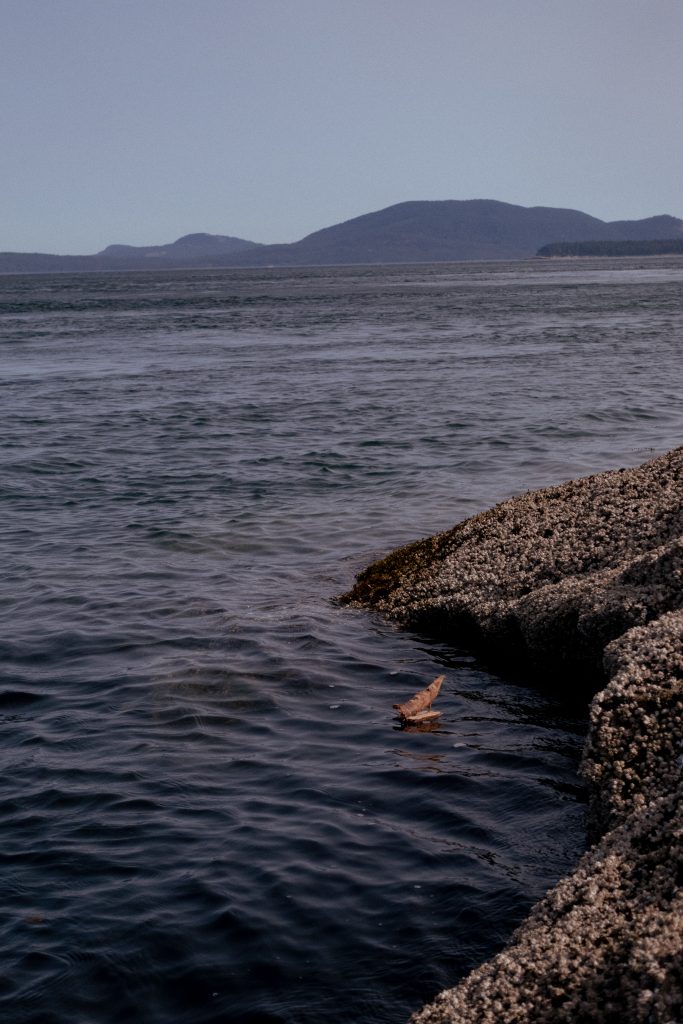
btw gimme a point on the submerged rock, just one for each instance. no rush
(584, 582)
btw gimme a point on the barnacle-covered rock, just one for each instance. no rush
(587, 579)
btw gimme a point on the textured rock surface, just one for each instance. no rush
(584, 580)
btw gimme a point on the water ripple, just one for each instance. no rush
(209, 813)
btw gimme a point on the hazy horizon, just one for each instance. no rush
(170, 241)
(139, 122)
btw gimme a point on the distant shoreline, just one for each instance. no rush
(653, 247)
(569, 258)
(422, 231)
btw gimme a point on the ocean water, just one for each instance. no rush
(209, 813)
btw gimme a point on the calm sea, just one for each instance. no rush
(208, 812)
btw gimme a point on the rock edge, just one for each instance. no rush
(584, 583)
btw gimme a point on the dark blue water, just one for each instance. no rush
(208, 812)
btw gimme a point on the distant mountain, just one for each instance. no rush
(189, 247)
(197, 250)
(414, 232)
(476, 229)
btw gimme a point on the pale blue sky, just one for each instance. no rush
(141, 120)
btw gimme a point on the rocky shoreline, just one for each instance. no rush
(583, 584)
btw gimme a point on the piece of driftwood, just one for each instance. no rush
(415, 708)
(422, 718)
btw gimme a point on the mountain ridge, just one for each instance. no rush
(198, 244)
(416, 231)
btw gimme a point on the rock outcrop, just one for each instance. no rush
(583, 583)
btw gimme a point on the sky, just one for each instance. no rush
(138, 121)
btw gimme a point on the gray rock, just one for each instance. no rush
(582, 582)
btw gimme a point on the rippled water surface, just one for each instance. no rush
(208, 812)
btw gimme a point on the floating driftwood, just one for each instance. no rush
(418, 710)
